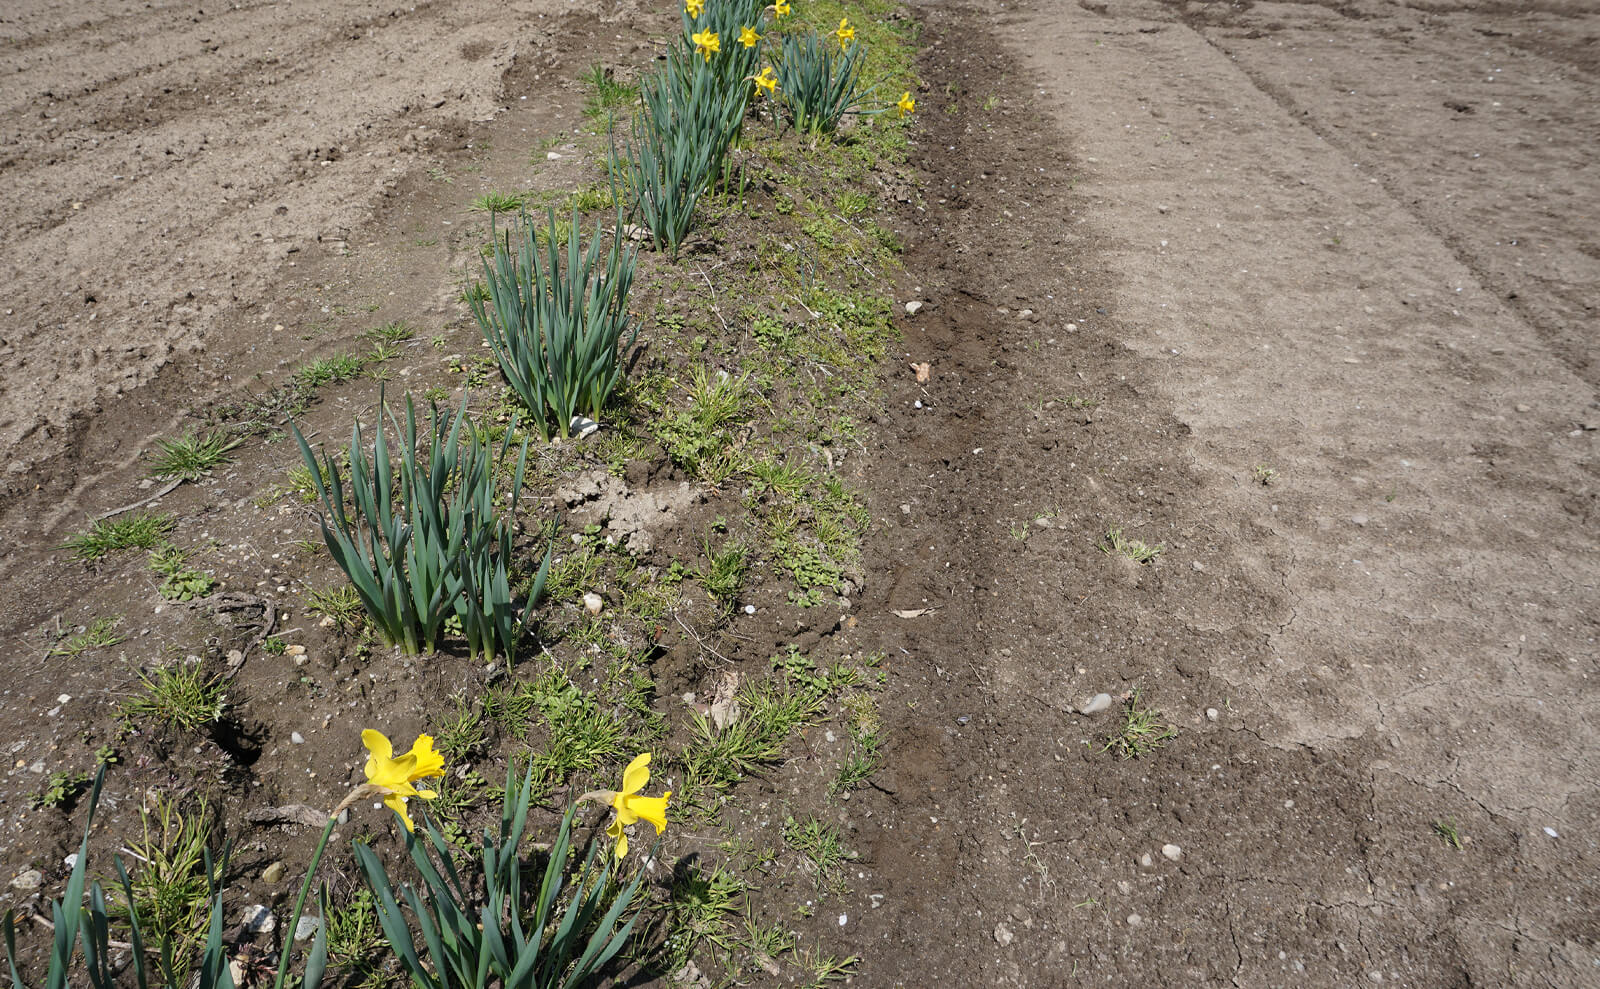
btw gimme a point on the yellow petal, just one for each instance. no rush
(622, 844)
(427, 794)
(378, 744)
(637, 775)
(397, 803)
(652, 809)
(428, 762)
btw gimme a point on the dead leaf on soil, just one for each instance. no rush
(289, 814)
(724, 708)
(913, 613)
(924, 372)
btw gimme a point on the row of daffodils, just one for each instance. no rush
(708, 43)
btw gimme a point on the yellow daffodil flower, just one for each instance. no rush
(907, 104)
(695, 8)
(748, 37)
(846, 33)
(766, 81)
(706, 43)
(393, 777)
(630, 807)
(781, 8)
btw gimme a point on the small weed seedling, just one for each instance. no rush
(180, 582)
(60, 790)
(97, 635)
(140, 531)
(1264, 475)
(192, 456)
(1133, 549)
(1445, 830)
(1142, 731)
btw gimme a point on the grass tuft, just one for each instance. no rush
(105, 536)
(180, 697)
(192, 456)
(1142, 731)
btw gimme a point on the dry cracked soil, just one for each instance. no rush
(1302, 294)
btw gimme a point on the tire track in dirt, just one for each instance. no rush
(159, 183)
(1303, 800)
(1453, 144)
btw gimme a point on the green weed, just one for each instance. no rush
(1139, 552)
(96, 635)
(192, 456)
(1141, 732)
(138, 531)
(182, 697)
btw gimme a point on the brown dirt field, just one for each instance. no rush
(1161, 248)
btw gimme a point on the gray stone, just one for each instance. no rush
(1003, 936)
(257, 919)
(273, 874)
(305, 927)
(912, 307)
(1172, 852)
(1096, 704)
(31, 879)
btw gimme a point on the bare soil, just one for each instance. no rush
(1304, 294)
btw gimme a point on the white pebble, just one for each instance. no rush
(1172, 852)
(297, 738)
(1134, 920)
(844, 919)
(1551, 832)
(592, 603)
(749, 609)
(1096, 704)
(1212, 714)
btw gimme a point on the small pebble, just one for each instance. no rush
(912, 307)
(296, 650)
(1358, 519)
(592, 603)
(844, 919)
(63, 698)
(297, 738)
(1003, 936)
(1096, 704)
(1551, 832)
(273, 874)
(258, 919)
(31, 879)
(749, 609)
(1146, 860)
(1212, 714)
(917, 404)
(1134, 920)
(1524, 408)
(70, 861)
(305, 927)
(1172, 852)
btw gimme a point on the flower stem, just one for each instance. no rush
(300, 903)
